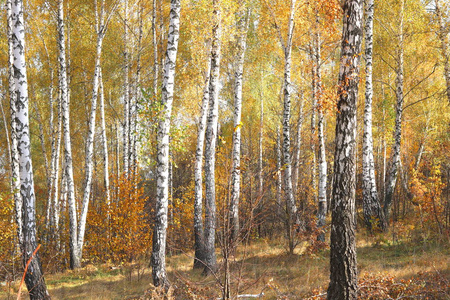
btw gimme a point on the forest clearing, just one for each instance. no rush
(225, 149)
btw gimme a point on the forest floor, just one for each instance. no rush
(401, 270)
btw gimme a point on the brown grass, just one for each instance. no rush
(262, 266)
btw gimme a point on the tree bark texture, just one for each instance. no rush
(158, 259)
(34, 279)
(373, 214)
(210, 147)
(236, 154)
(198, 202)
(15, 170)
(90, 136)
(64, 98)
(443, 36)
(286, 141)
(343, 268)
(394, 162)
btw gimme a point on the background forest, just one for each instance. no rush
(128, 105)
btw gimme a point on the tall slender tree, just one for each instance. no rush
(15, 176)
(198, 202)
(343, 277)
(373, 214)
(394, 162)
(158, 259)
(68, 162)
(443, 36)
(34, 279)
(210, 147)
(236, 154)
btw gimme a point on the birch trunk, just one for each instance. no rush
(279, 175)
(373, 214)
(34, 279)
(322, 192)
(198, 203)
(443, 36)
(286, 141)
(158, 260)
(260, 145)
(104, 141)
(15, 176)
(90, 136)
(63, 89)
(394, 163)
(343, 277)
(210, 148)
(296, 171)
(155, 52)
(236, 155)
(126, 94)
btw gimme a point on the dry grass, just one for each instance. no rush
(262, 266)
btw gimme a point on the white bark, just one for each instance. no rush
(286, 141)
(15, 180)
(88, 168)
(104, 142)
(443, 36)
(63, 89)
(162, 172)
(296, 166)
(322, 192)
(394, 163)
(126, 95)
(236, 154)
(210, 149)
(371, 204)
(34, 277)
(198, 202)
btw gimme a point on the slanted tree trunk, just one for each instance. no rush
(394, 162)
(101, 29)
(15, 176)
(443, 36)
(343, 277)
(236, 155)
(158, 259)
(34, 279)
(373, 215)
(198, 202)
(210, 148)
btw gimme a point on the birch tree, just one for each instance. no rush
(291, 208)
(34, 279)
(198, 202)
(68, 162)
(210, 147)
(236, 155)
(394, 162)
(443, 36)
(15, 176)
(371, 204)
(126, 93)
(322, 192)
(158, 259)
(343, 268)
